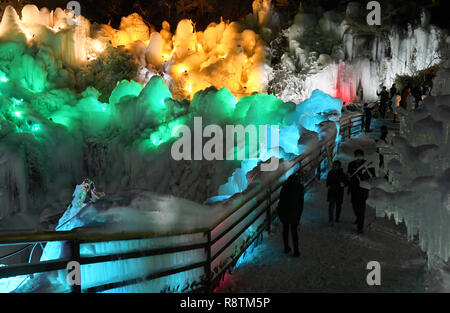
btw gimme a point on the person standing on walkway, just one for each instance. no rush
(417, 94)
(392, 94)
(384, 98)
(393, 90)
(290, 209)
(336, 181)
(367, 117)
(358, 171)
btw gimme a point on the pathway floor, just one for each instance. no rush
(333, 258)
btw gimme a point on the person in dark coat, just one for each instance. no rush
(393, 90)
(290, 208)
(367, 116)
(358, 172)
(384, 98)
(383, 138)
(392, 94)
(336, 181)
(417, 94)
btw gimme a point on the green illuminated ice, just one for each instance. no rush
(53, 134)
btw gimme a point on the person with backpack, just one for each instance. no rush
(358, 170)
(290, 209)
(336, 181)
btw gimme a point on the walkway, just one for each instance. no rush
(333, 259)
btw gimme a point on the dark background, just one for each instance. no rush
(202, 12)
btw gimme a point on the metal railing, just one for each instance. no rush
(257, 201)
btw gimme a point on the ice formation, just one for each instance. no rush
(52, 136)
(224, 55)
(328, 53)
(419, 170)
(119, 145)
(441, 84)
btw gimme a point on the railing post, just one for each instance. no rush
(75, 256)
(350, 123)
(268, 210)
(208, 262)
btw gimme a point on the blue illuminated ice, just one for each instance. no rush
(307, 115)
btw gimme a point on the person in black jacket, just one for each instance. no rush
(392, 93)
(290, 208)
(336, 181)
(384, 98)
(358, 171)
(393, 90)
(367, 116)
(417, 94)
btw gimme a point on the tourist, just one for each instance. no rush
(393, 90)
(417, 94)
(290, 208)
(336, 181)
(392, 94)
(358, 171)
(384, 98)
(367, 116)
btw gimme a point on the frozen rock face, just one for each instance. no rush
(420, 172)
(441, 85)
(352, 61)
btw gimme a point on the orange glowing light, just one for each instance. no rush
(223, 55)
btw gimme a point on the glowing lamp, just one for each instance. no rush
(35, 127)
(18, 114)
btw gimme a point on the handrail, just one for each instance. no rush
(84, 237)
(75, 237)
(97, 237)
(250, 196)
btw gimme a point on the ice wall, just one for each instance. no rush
(306, 116)
(61, 136)
(419, 170)
(441, 83)
(329, 53)
(224, 55)
(69, 42)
